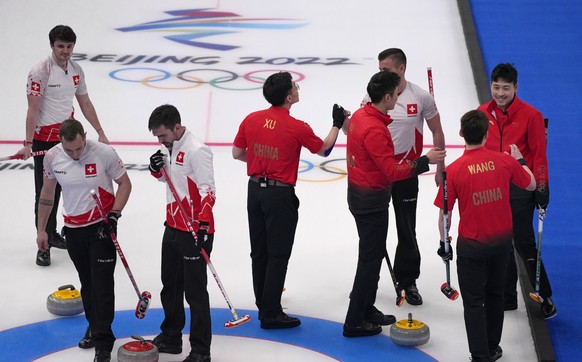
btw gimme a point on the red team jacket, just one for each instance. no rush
(371, 163)
(522, 125)
(480, 180)
(274, 139)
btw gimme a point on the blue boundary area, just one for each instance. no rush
(542, 39)
(325, 337)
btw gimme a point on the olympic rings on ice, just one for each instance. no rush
(330, 172)
(163, 79)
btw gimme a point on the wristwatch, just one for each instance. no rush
(522, 162)
(26, 143)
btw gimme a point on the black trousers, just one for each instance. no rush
(273, 215)
(95, 258)
(407, 258)
(481, 281)
(184, 273)
(372, 231)
(51, 225)
(524, 242)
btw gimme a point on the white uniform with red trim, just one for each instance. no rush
(96, 168)
(192, 174)
(414, 105)
(46, 79)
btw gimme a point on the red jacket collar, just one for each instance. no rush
(373, 111)
(511, 110)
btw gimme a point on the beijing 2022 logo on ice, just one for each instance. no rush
(181, 72)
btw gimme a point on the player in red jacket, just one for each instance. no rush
(480, 180)
(513, 121)
(269, 141)
(372, 169)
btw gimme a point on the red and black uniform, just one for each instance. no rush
(372, 169)
(273, 140)
(480, 180)
(522, 125)
(190, 168)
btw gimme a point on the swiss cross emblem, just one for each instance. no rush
(180, 158)
(411, 109)
(76, 80)
(35, 87)
(90, 169)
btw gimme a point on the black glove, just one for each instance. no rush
(445, 256)
(202, 233)
(111, 225)
(339, 116)
(156, 162)
(105, 229)
(542, 196)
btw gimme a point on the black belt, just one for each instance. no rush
(270, 182)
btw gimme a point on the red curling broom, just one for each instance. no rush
(236, 321)
(145, 296)
(446, 288)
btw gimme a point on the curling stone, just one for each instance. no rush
(409, 332)
(65, 301)
(139, 350)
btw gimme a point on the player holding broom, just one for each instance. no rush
(188, 162)
(52, 84)
(480, 181)
(514, 121)
(80, 166)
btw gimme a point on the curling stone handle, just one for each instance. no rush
(68, 286)
(139, 338)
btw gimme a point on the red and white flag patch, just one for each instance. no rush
(76, 80)
(180, 158)
(411, 109)
(90, 169)
(35, 88)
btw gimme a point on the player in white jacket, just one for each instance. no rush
(79, 166)
(188, 162)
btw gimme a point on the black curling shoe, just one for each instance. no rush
(281, 321)
(363, 330)
(87, 341)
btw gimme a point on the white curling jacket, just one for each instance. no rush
(190, 168)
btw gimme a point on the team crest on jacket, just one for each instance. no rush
(76, 80)
(90, 170)
(180, 158)
(411, 109)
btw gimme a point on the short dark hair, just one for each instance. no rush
(69, 130)
(504, 71)
(474, 126)
(398, 56)
(277, 87)
(382, 83)
(165, 115)
(63, 33)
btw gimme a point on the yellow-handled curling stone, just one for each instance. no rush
(409, 332)
(65, 301)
